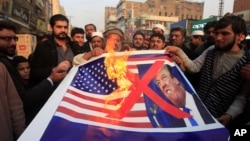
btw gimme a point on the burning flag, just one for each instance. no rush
(82, 109)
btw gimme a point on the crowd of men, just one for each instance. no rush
(215, 60)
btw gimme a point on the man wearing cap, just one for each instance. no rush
(197, 41)
(158, 28)
(97, 43)
(116, 35)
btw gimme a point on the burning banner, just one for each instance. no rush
(158, 103)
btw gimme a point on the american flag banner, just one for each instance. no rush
(83, 107)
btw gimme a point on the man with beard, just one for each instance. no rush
(177, 38)
(221, 87)
(89, 28)
(58, 49)
(156, 41)
(33, 97)
(138, 40)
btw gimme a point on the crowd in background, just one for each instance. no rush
(215, 60)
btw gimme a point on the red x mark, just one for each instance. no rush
(131, 99)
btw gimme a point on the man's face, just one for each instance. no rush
(209, 34)
(24, 70)
(60, 30)
(194, 41)
(225, 39)
(89, 30)
(138, 41)
(156, 43)
(176, 38)
(116, 41)
(8, 41)
(171, 88)
(157, 30)
(78, 37)
(97, 42)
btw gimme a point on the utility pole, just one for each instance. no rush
(221, 7)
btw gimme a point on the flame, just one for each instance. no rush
(116, 67)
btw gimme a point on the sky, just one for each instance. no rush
(82, 12)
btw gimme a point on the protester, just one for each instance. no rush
(158, 28)
(197, 41)
(98, 45)
(33, 97)
(58, 50)
(23, 67)
(89, 28)
(12, 121)
(177, 38)
(209, 34)
(221, 87)
(138, 40)
(77, 36)
(157, 41)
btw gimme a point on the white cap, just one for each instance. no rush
(94, 34)
(197, 32)
(159, 26)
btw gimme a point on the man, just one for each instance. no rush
(89, 28)
(221, 87)
(177, 38)
(158, 28)
(174, 92)
(12, 121)
(98, 45)
(77, 36)
(115, 36)
(33, 97)
(57, 50)
(209, 34)
(197, 41)
(138, 40)
(156, 41)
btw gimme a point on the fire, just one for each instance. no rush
(117, 69)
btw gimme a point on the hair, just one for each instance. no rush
(139, 33)
(90, 25)
(7, 25)
(209, 25)
(76, 30)
(238, 24)
(182, 30)
(161, 36)
(19, 59)
(57, 17)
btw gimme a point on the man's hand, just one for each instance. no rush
(245, 72)
(97, 51)
(60, 71)
(225, 119)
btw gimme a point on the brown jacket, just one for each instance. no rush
(12, 121)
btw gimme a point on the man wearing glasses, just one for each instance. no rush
(33, 97)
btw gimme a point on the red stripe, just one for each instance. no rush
(151, 59)
(102, 101)
(103, 120)
(138, 113)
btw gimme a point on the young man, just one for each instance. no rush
(58, 50)
(89, 28)
(156, 41)
(77, 36)
(138, 40)
(221, 87)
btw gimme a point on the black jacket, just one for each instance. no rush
(33, 98)
(45, 58)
